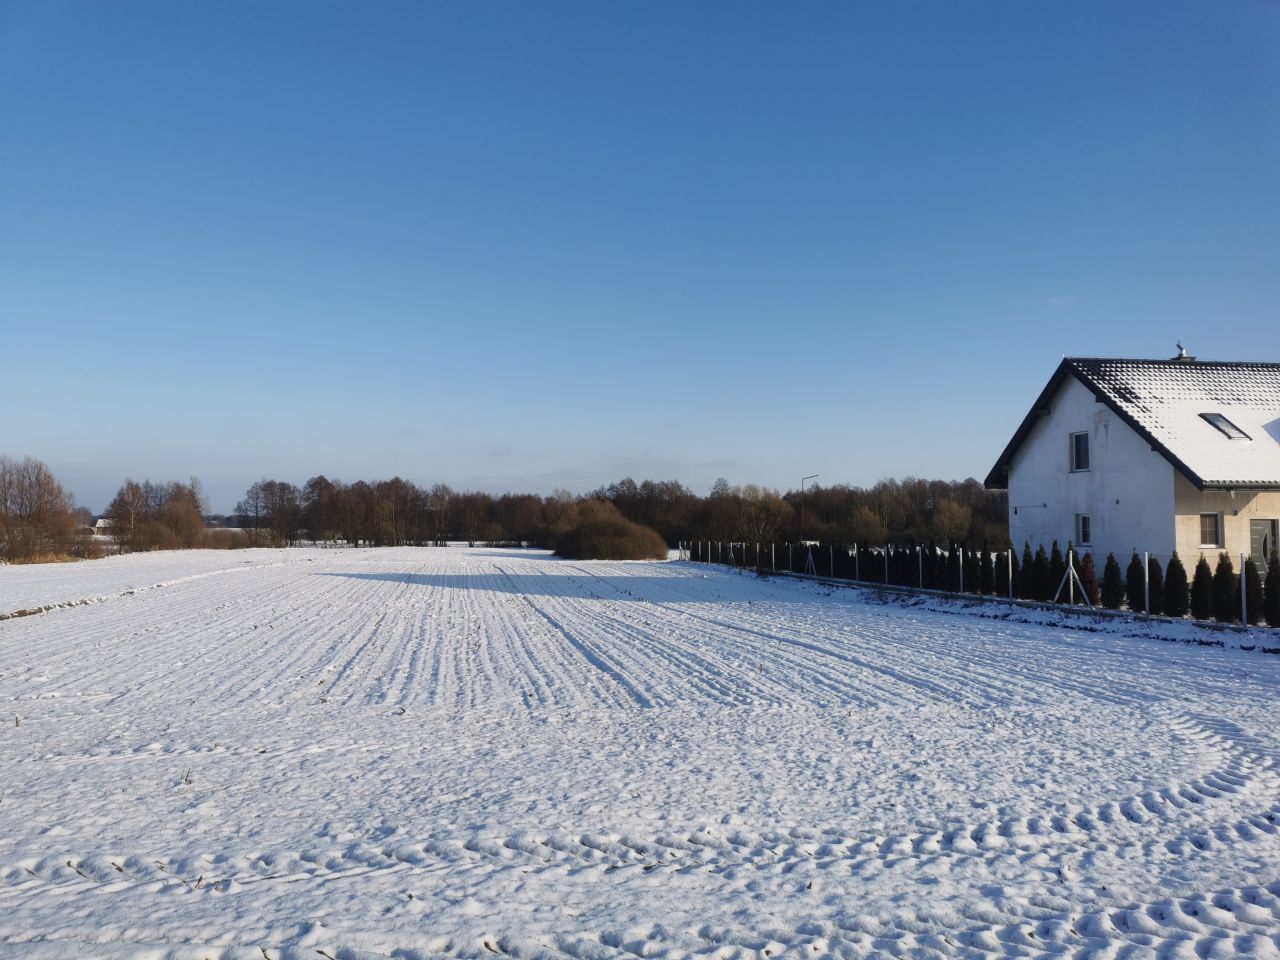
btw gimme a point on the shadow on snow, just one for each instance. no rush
(640, 588)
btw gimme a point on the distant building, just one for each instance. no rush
(1118, 455)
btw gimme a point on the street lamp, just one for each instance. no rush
(812, 476)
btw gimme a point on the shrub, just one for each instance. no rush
(1040, 576)
(1155, 577)
(1057, 569)
(1136, 584)
(224, 539)
(1112, 583)
(1252, 591)
(602, 533)
(1271, 600)
(1226, 598)
(1175, 588)
(1089, 577)
(1026, 574)
(1202, 591)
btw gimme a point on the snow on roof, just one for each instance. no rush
(1165, 402)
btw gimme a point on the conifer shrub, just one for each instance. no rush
(602, 533)
(1252, 591)
(972, 572)
(1175, 588)
(1135, 584)
(1202, 590)
(1057, 569)
(987, 574)
(1089, 577)
(1040, 575)
(1015, 573)
(1112, 584)
(1271, 598)
(1026, 580)
(1226, 596)
(1155, 578)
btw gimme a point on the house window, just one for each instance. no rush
(1210, 529)
(1226, 426)
(1080, 451)
(1084, 530)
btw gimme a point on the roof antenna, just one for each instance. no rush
(1183, 356)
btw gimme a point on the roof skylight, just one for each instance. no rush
(1226, 426)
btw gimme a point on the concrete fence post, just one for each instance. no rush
(1244, 602)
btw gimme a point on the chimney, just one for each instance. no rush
(1183, 356)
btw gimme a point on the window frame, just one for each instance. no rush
(1217, 519)
(1223, 425)
(1084, 524)
(1088, 451)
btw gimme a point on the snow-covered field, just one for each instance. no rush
(429, 753)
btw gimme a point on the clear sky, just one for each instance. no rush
(529, 245)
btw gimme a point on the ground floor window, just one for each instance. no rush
(1210, 529)
(1084, 530)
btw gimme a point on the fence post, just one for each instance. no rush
(1146, 583)
(920, 565)
(791, 567)
(857, 572)
(962, 568)
(1010, 558)
(1244, 603)
(773, 556)
(1071, 576)
(886, 564)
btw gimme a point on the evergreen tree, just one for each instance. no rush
(1252, 591)
(1000, 575)
(1226, 596)
(1271, 600)
(1112, 583)
(1175, 588)
(1040, 575)
(1155, 577)
(972, 572)
(987, 573)
(1135, 584)
(1028, 586)
(1057, 568)
(1089, 577)
(1202, 590)
(931, 566)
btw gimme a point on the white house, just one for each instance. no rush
(1118, 455)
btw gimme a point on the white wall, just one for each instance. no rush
(1128, 490)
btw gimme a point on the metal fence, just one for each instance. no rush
(999, 575)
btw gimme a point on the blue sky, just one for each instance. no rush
(530, 245)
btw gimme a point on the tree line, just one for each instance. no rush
(149, 515)
(397, 512)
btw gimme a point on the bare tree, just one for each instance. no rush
(36, 518)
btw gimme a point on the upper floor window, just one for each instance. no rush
(1080, 451)
(1226, 426)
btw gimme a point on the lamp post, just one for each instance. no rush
(812, 476)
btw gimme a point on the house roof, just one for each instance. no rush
(1163, 401)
